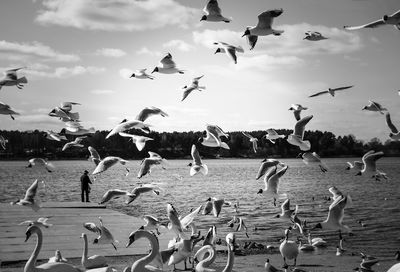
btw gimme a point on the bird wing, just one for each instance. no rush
(247, 135)
(43, 220)
(300, 126)
(78, 140)
(266, 18)
(167, 62)
(94, 154)
(255, 146)
(196, 79)
(390, 124)
(285, 205)
(252, 41)
(212, 8)
(369, 25)
(336, 209)
(12, 73)
(270, 173)
(188, 219)
(231, 52)
(396, 15)
(335, 192)
(92, 227)
(342, 88)
(186, 93)
(317, 94)
(372, 158)
(110, 194)
(31, 192)
(195, 155)
(264, 167)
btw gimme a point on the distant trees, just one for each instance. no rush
(172, 145)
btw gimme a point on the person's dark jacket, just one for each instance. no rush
(85, 181)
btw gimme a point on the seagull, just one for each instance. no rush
(356, 165)
(139, 141)
(289, 249)
(150, 111)
(105, 236)
(141, 74)
(298, 134)
(147, 163)
(10, 79)
(152, 223)
(3, 142)
(54, 136)
(252, 140)
(64, 115)
(215, 205)
(175, 224)
(314, 36)
(271, 181)
(167, 66)
(187, 220)
(40, 222)
(297, 108)
(230, 50)
(108, 162)
(94, 156)
(314, 158)
(197, 166)
(141, 189)
(251, 39)
(369, 159)
(127, 125)
(113, 193)
(331, 91)
(374, 106)
(213, 137)
(39, 161)
(74, 143)
(393, 19)
(272, 135)
(193, 86)
(265, 166)
(67, 106)
(6, 110)
(286, 211)
(264, 25)
(394, 134)
(29, 199)
(213, 13)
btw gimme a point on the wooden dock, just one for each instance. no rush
(67, 220)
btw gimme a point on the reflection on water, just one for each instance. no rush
(376, 203)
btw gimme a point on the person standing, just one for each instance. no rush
(85, 187)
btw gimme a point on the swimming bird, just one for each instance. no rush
(374, 106)
(197, 166)
(286, 211)
(331, 91)
(11, 78)
(252, 139)
(108, 162)
(213, 137)
(40, 222)
(297, 108)
(394, 133)
(127, 125)
(264, 25)
(289, 249)
(94, 155)
(265, 166)
(104, 235)
(94, 261)
(30, 265)
(314, 158)
(272, 135)
(230, 50)
(317, 241)
(356, 165)
(3, 142)
(6, 110)
(213, 13)
(206, 255)
(67, 106)
(167, 66)
(141, 74)
(57, 258)
(29, 199)
(298, 134)
(271, 182)
(270, 268)
(75, 143)
(54, 136)
(148, 163)
(139, 141)
(193, 86)
(43, 162)
(150, 111)
(393, 19)
(314, 36)
(369, 159)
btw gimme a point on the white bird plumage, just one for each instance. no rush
(393, 19)
(213, 13)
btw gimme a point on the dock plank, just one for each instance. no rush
(67, 219)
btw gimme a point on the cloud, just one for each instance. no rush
(145, 51)
(208, 37)
(65, 72)
(125, 72)
(110, 52)
(38, 119)
(178, 44)
(22, 51)
(102, 92)
(115, 15)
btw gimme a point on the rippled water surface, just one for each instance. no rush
(376, 203)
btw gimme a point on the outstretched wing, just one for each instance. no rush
(300, 126)
(31, 192)
(92, 227)
(317, 94)
(212, 8)
(266, 18)
(369, 25)
(343, 88)
(167, 62)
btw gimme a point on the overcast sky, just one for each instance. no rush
(82, 51)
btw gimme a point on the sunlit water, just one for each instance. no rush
(376, 203)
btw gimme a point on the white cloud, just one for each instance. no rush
(22, 51)
(208, 37)
(125, 72)
(111, 52)
(145, 51)
(102, 92)
(178, 44)
(38, 119)
(115, 15)
(65, 72)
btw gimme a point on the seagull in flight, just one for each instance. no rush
(44, 162)
(369, 159)
(314, 158)
(314, 36)
(374, 106)
(193, 86)
(230, 50)
(75, 143)
(40, 222)
(139, 141)
(298, 134)
(141, 74)
(252, 140)
(148, 163)
(264, 25)
(150, 111)
(331, 91)
(213, 137)
(393, 19)
(272, 135)
(297, 108)
(107, 163)
(213, 13)
(104, 235)
(197, 165)
(266, 165)
(11, 78)
(29, 199)
(6, 109)
(167, 66)
(271, 182)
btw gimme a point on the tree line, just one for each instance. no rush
(176, 145)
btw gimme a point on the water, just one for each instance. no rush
(376, 203)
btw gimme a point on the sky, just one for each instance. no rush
(85, 50)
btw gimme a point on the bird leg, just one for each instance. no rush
(12, 117)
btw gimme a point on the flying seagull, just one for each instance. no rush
(331, 91)
(393, 19)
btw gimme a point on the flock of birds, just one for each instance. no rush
(182, 247)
